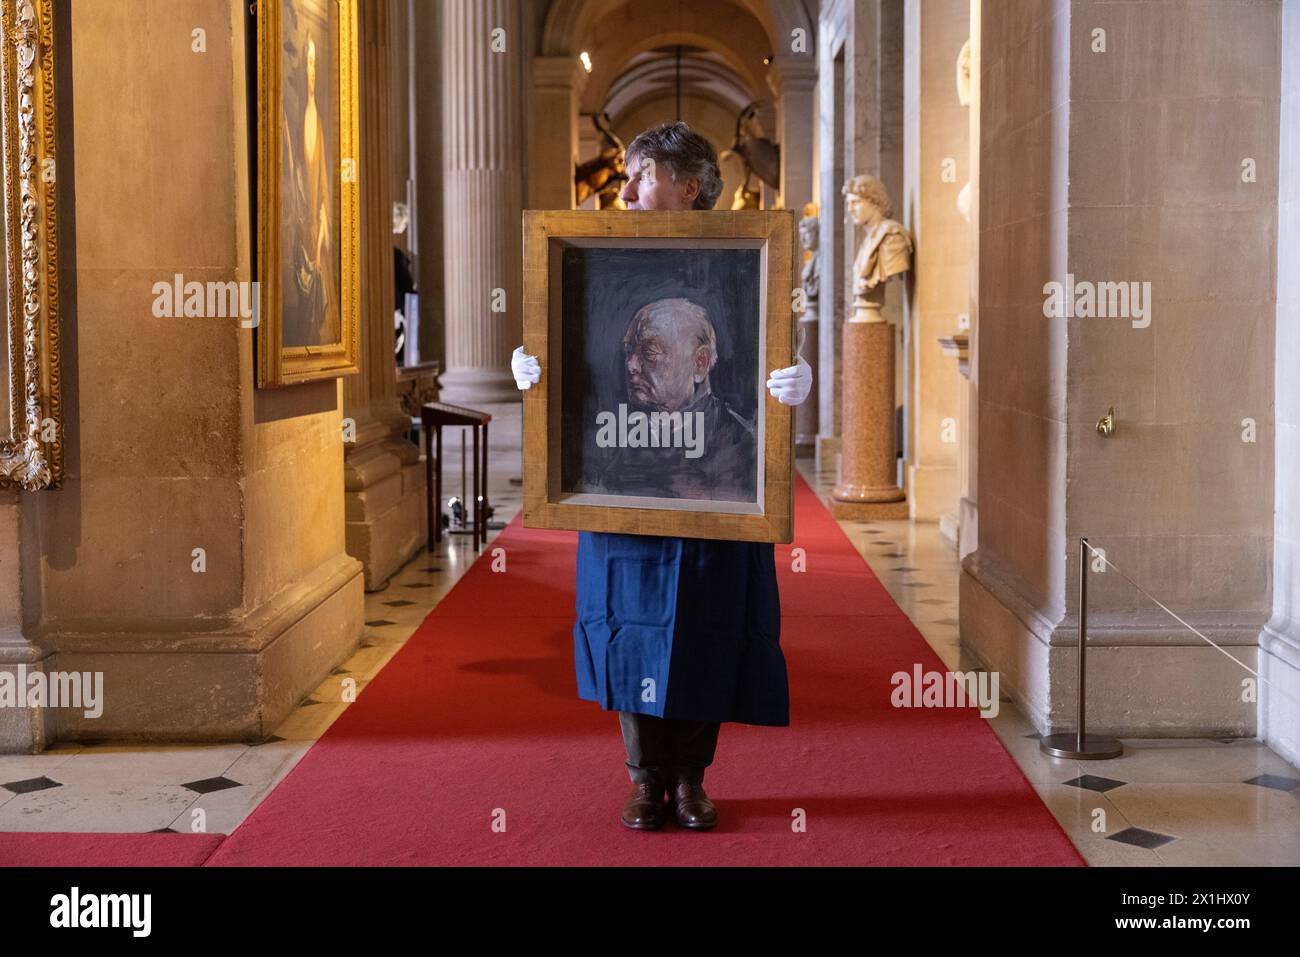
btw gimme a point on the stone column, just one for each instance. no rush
(483, 51)
(792, 78)
(860, 50)
(1084, 183)
(384, 484)
(968, 509)
(195, 555)
(1280, 640)
(936, 155)
(556, 84)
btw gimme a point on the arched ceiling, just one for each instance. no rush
(568, 22)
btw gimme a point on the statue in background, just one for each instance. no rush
(963, 97)
(605, 174)
(886, 249)
(810, 278)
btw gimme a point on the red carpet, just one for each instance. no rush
(477, 719)
(64, 849)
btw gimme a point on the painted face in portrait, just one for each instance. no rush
(666, 359)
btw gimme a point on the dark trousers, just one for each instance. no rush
(664, 748)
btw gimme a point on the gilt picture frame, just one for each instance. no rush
(655, 332)
(31, 408)
(308, 229)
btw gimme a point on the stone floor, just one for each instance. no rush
(1165, 802)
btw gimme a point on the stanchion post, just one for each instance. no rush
(1080, 745)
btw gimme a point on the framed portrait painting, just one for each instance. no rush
(656, 332)
(308, 234)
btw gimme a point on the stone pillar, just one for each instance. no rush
(1084, 181)
(1279, 715)
(860, 51)
(195, 553)
(935, 169)
(968, 509)
(483, 49)
(383, 481)
(430, 262)
(792, 78)
(556, 85)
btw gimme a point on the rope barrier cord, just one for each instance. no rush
(1173, 615)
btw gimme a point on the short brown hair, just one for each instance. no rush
(687, 155)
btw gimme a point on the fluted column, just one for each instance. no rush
(483, 49)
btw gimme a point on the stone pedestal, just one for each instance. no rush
(868, 488)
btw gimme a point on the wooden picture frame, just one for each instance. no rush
(308, 275)
(553, 499)
(31, 413)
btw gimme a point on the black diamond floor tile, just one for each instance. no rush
(903, 568)
(208, 785)
(165, 830)
(1276, 781)
(379, 623)
(28, 785)
(1138, 837)
(1093, 782)
(400, 603)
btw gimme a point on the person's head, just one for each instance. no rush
(866, 199)
(669, 348)
(671, 167)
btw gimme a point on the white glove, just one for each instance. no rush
(791, 385)
(525, 368)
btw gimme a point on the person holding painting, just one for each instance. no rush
(703, 615)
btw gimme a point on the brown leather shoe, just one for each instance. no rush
(644, 809)
(694, 809)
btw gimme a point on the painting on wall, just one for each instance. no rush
(656, 331)
(31, 417)
(307, 201)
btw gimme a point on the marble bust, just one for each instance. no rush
(886, 249)
(810, 278)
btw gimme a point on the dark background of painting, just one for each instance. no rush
(602, 289)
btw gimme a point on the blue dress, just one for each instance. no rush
(684, 628)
